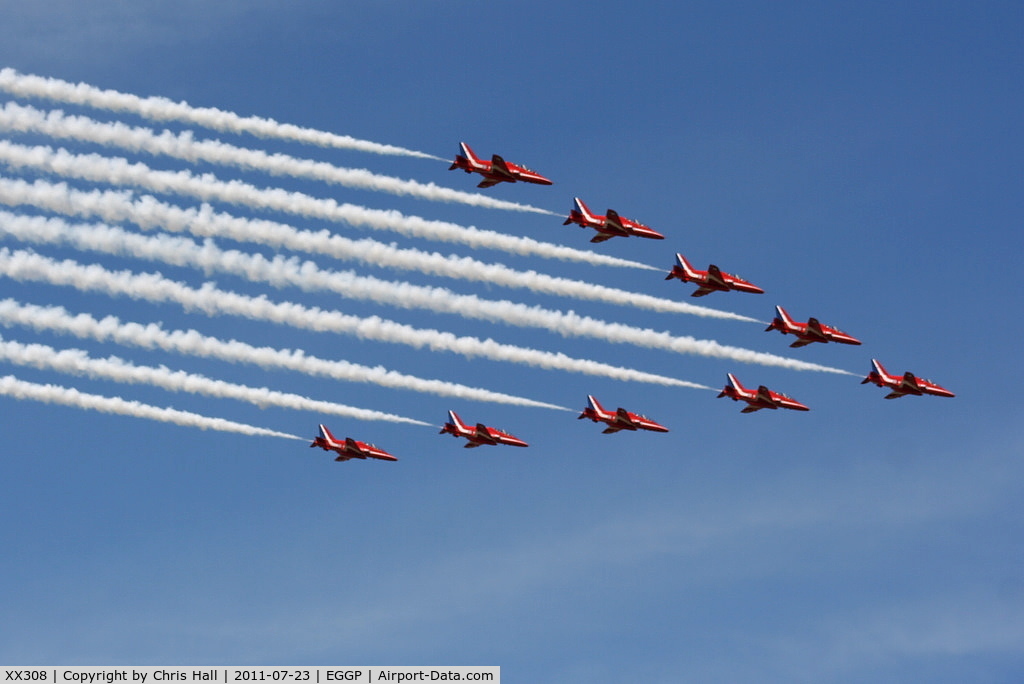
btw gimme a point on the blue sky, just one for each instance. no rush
(861, 162)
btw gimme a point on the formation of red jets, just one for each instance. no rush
(610, 225)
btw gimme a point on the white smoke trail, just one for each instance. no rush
(56, 124)
(149, 213)
(207, 187)
(11, 386)
(78, 362)
(28, 266)
(280, 271)
(192, 343)
(162, 109)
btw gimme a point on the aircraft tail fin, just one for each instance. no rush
(781, 321)
(734, 382)
(584, 209)
(596, 405)
(733, 389)
(783, 316)
(470, 156)
(326, 434)
(685, 265)
(456, 421)
(878, 375)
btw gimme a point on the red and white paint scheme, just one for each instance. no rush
(479, 435)
(349, 448)
(811, 331)
(710, 280)
(495, 171)
(761, 398)
(902, 385)
(620, 419)
(610, 225)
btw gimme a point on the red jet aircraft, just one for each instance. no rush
(609, 226)
(758, 399)
(350, 448)
(811, 331)
(621, 419)
(481, 434)
(495, 171)
(902, 385)
(709, 280)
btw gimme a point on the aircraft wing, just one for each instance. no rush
(814, 328)
(751, 408)
(500, 168)
(601, 237)
(701, 291)
(800, 343)
(715, 276)
(486, 183)
(909, 385)
(352, 449)
(611, 429)
(623, 415)
(613, 220)
(484, 435)
(470, 445)
(764, 395)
